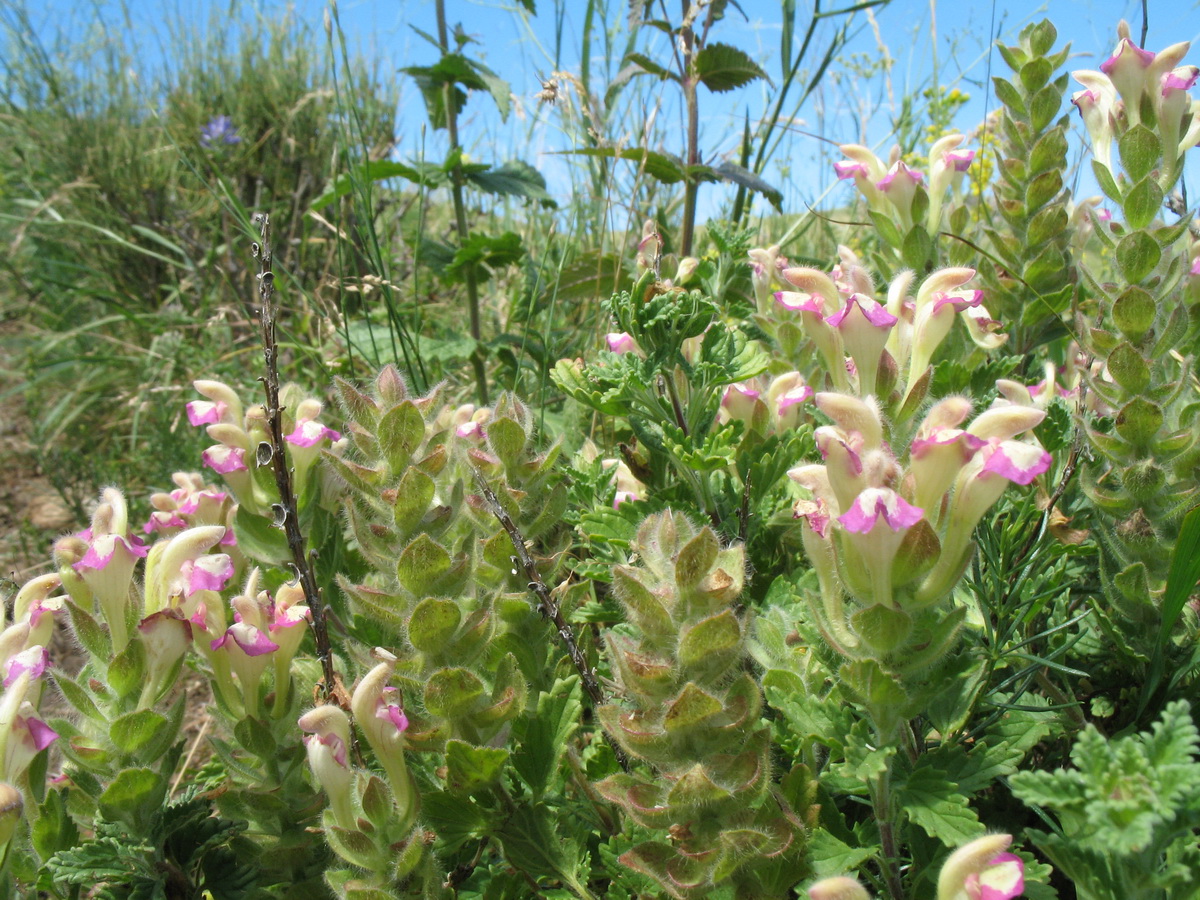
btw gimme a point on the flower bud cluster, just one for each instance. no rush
(367, 823)
(1139, 87)
(894, 532)
(898, 192)
(883, 347)
(239, 432)
(692, 713)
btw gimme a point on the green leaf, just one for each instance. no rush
(454, 819)
(1182, 577)
(127, 669)
(650, 67)
(424, 174)
(1137, 255)
(452, 692)
(1140, 150)
(1010, 97)
(485, 253)
(534, 843)
(662, 167)
(134, 731)
(432, 624)
(255, 735)
(917, 248)
(745, 178)
(400, 432)
(589, 276)
(472, 769)
(832, 857)
(931, 801)
(542, 735)
(259, 539)
(887, 229)
(90, 632)
(1108, 184)
(514, 178)
(421, 564)
(721, 68)
(1143, 203)
(133, 795)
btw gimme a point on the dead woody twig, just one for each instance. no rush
(274, 453)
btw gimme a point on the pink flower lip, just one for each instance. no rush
(848, 168)
(1174, 81)
(33, 660)
(959, 299)
(101, 550)
(1104, 215)
(391, 711)
(310, 432)
(472, 431)
(335, 744)
(874, 504)
(41, 733)
(251, 641)
(815, 513)
(206, 412)
(161, 521)
(872, 311)
(624, 497)
(1195, 269)
(793, 397)
(1017, 461)
(620, 342)
(208, 573)
(800, 302)
(223, 460)
(944, 437)
(1144, 57)
(898, 169)
(959, 160)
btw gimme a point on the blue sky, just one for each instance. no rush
(919, 36)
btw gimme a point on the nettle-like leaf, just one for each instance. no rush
(514, 178)
(721, 68)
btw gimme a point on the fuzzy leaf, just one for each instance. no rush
(721, 68)
(932, 802)
(432, 624)
(472, 769)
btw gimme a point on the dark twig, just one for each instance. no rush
(546, 604)
(274, 453)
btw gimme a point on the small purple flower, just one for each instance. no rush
(874, 504)
(310, 432)
(959, 160)
(219, 131)
(1195, 269)
(223, 460)
(40, 735)
(1181, 79)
